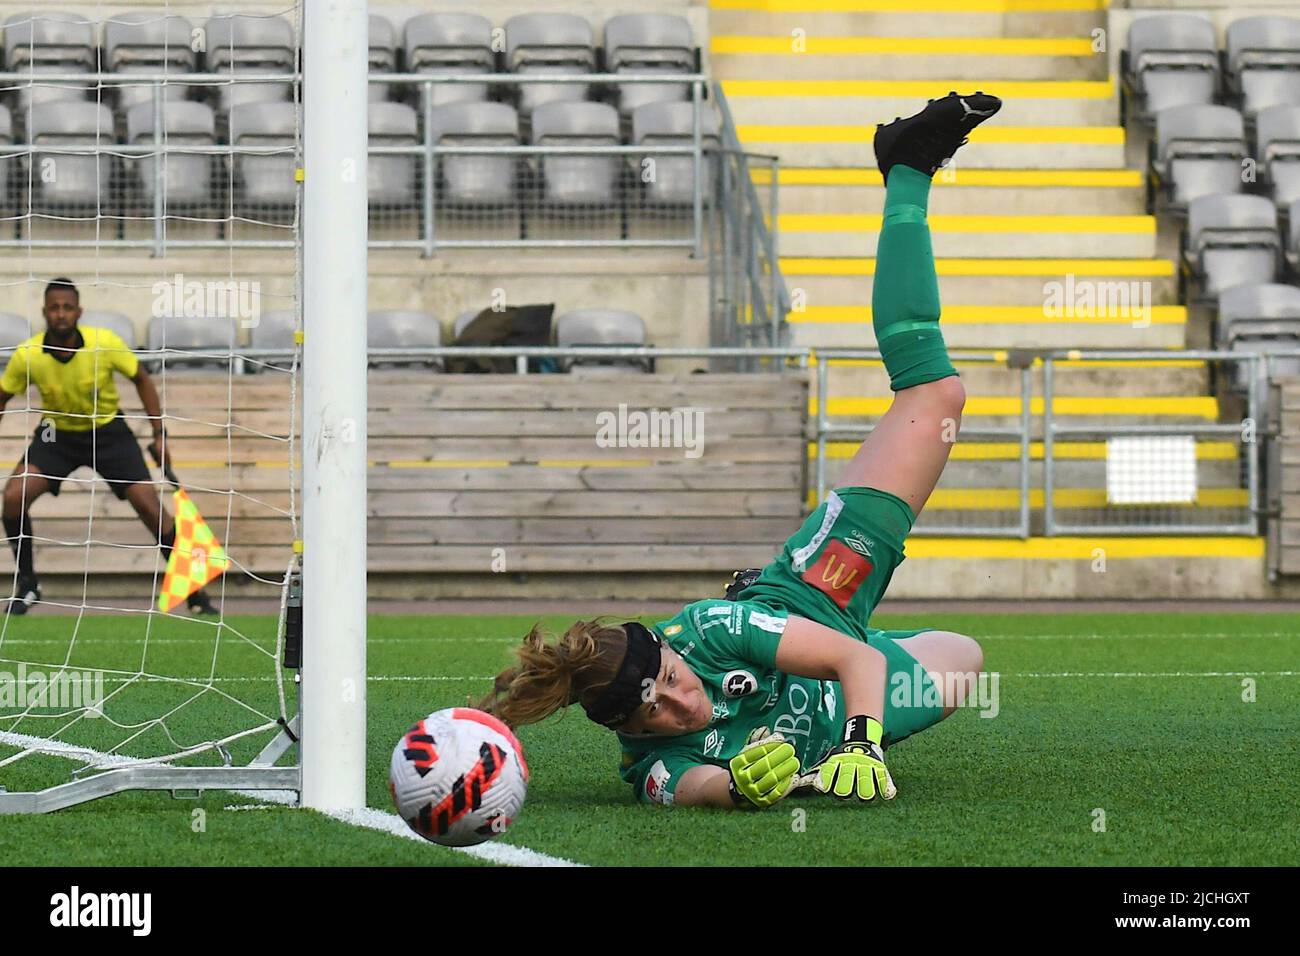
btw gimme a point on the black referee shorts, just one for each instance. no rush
(112, 450)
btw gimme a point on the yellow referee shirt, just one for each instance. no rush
(80, 393)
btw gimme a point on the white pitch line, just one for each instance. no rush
(368, 818)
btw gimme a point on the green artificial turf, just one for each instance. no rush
(1184, 769)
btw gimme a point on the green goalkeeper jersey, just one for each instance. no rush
(731, 647)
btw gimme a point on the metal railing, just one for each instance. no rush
(1016, 521)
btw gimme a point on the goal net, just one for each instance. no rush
(154, 160)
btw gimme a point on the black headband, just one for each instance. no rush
(626, 692)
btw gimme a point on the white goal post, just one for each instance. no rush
(330, 730)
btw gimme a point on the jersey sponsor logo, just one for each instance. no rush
(656, 784)
(721, 710)
(739, 683)
(859, 542)
(672, 630)
(798, 722)
(773, 623)
(828, 699)
(839, 572)
(713, 743)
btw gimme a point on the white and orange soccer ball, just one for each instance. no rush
(458, 777)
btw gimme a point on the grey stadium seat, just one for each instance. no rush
(273, 330)
(1173, 60)
(113, 321)
(14, 329)
(477, 180)
(1232, 239)
(49, 41)
(187, 177)
(1293, 236)
(391, 179)
(549, 44)
(1262, 318)
(10, 164)
(458, 43)
(264, 179)
(1263, 55)
(403, 329)
(241, 43)
(1199, 150)
(383, 54)
(79, 180)
(649, 43)
(213, 335)
(590, 327)
(672, 124)
(578, 179)
(147, 42)
(1277, 133)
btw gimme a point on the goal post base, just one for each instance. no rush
(121, 779)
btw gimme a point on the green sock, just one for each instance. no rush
(905, 296)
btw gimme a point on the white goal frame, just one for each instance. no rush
(330, 731)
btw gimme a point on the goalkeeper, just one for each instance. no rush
(736, 703)
(81, 425)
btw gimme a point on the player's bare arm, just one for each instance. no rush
(148, 392)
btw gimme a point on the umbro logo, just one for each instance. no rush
(858, 543)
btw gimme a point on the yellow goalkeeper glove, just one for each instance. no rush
(764, 771)
(857, 766)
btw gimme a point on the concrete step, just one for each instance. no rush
(965, 191)
(956, 19)
(958, 236)
(830, 102)
(818, 283)
(1009, 148)
(844, 58)
(1152, 378)
(994, 335)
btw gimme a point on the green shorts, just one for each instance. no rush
(834, 570)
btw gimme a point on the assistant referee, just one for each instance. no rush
(80, 425)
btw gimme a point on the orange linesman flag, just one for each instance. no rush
(197, 556)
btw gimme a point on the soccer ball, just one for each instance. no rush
(458, 777)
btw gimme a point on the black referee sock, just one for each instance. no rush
(20, 540)
(166, 541)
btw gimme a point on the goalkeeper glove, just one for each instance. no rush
(857, 766)
(764, 771)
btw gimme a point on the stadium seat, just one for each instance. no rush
(391, 179)
(673, 124)
(81, 181)
(187, 176)
(9, 164)
(1198, 151)
(1231, 240)
(403, 329)
(1173, 60)
(113, 321)
(594, 327)
(1293, 237)
(214, 335)
(1261, 318)
(1277, 133)
(573, 180)
(1263, 55)
(383, 54)
(273, 330)
(146, 42)
(477, 180)
(15, 329)
(649, 43)
(458, 43)
(239, 43)
(266, 180)
(555, 44)
(49, 41)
